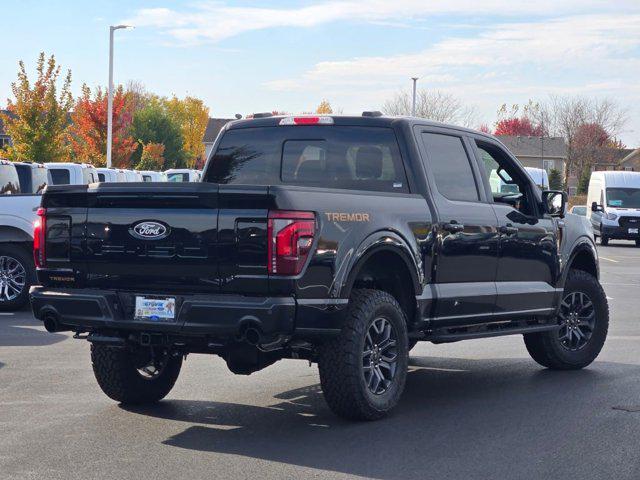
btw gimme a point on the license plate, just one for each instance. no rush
(633, 230)
(156, 309)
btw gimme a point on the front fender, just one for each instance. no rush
(582, 244)
(383, 240)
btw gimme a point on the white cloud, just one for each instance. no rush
(211, 21)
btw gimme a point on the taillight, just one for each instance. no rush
(290, 240)
(39, 230)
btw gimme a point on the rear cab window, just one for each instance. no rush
(60, 176)
(343, 157)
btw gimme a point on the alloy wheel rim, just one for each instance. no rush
(379, 356)
(577, 321)
(13, 277)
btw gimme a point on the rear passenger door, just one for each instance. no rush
(467, 244)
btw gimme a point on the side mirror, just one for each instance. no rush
(596, 208)
(555, 202)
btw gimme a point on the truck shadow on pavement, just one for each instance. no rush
(458, 418)
(22, 330)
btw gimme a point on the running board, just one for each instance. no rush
(448, 337)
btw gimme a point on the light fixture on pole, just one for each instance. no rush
(413, 102)
(110, 94)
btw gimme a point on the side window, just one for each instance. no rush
(9, 183)
(101, 177)
(499, 179)
(451, 167)
(509, 185)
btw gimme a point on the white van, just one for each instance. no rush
(151, 176)
(131, 175)
(67, 173)
(539, 176)
(613, 199)
(111, 175)
(183, 175)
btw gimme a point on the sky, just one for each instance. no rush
(254, 56)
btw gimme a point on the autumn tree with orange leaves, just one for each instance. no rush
(88, 131)
(39, 114)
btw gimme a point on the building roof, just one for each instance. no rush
(531, 146)
(213, 128)
(634, 154)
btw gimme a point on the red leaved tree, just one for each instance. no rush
(518, 126)
(88, 132)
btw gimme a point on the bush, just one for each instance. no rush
(555, 179)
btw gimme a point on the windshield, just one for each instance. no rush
(579, 211)
(623, 197)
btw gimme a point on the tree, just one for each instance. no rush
(192, 116)
(152, 157)
(518, 126)
(88, 131)
(568, 117)
(38, 114)
(437, 106)
(583, 181)
(324, 108)
(154, 124)
(555, 179)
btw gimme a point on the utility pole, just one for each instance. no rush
(110, 94)
(413, 103)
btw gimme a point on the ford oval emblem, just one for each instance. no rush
(149, 230)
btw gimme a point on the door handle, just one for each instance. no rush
(453, 227)
(508, 229)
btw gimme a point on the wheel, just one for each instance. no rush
(363, 371)
(584, 322)
(604, 241)
(637, 243)
(17, 274)
(134, 377)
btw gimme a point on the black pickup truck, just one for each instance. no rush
(338, 240)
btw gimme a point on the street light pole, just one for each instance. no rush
(413, 103)
(110, 94)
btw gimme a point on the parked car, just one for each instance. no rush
(579, 210)
(151, 176)
(33, 176)
(67, 173)
(325, 244)
(183, 175)
(613, 198)
(17, 214)
(111, 175)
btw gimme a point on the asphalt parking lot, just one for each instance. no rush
(476, 409)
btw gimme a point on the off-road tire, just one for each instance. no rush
(23, 256)
(546, 348)
(340, 361)
(119, 379)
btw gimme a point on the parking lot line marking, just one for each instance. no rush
(609, 259)
(6, 313)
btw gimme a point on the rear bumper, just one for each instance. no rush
(619, 233)
(220, 316)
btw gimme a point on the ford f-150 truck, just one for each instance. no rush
(338, 240)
